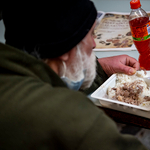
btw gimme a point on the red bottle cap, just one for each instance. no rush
(135, 4)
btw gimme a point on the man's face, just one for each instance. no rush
(81, 67)
(83, 59)
(88, 57)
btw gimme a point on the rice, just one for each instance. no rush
(130, 89)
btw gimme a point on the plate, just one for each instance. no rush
(101, 94)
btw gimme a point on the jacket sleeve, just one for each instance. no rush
(101, 77)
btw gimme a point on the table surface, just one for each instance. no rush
(117, 112)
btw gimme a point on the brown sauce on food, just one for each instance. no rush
(130, 93)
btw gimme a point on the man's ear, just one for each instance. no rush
(64, 57)
(69, 55)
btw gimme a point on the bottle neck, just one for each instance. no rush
(136, 9)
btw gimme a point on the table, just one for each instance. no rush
(117, 112)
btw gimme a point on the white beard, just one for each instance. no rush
(89, 64)
(81, 62)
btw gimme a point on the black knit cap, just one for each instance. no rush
(52, 29)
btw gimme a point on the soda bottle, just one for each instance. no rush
(140, 30)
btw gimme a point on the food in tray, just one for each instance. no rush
(130, 89)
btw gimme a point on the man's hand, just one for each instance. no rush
(119, 64)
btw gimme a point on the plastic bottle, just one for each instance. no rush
(140, 30)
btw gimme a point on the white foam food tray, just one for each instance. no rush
(101, 94)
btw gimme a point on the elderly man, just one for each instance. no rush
(42, 100)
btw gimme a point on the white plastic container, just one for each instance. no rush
(101, 95)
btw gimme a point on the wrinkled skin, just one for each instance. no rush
(119, 64)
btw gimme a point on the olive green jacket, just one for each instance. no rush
(37, 110)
